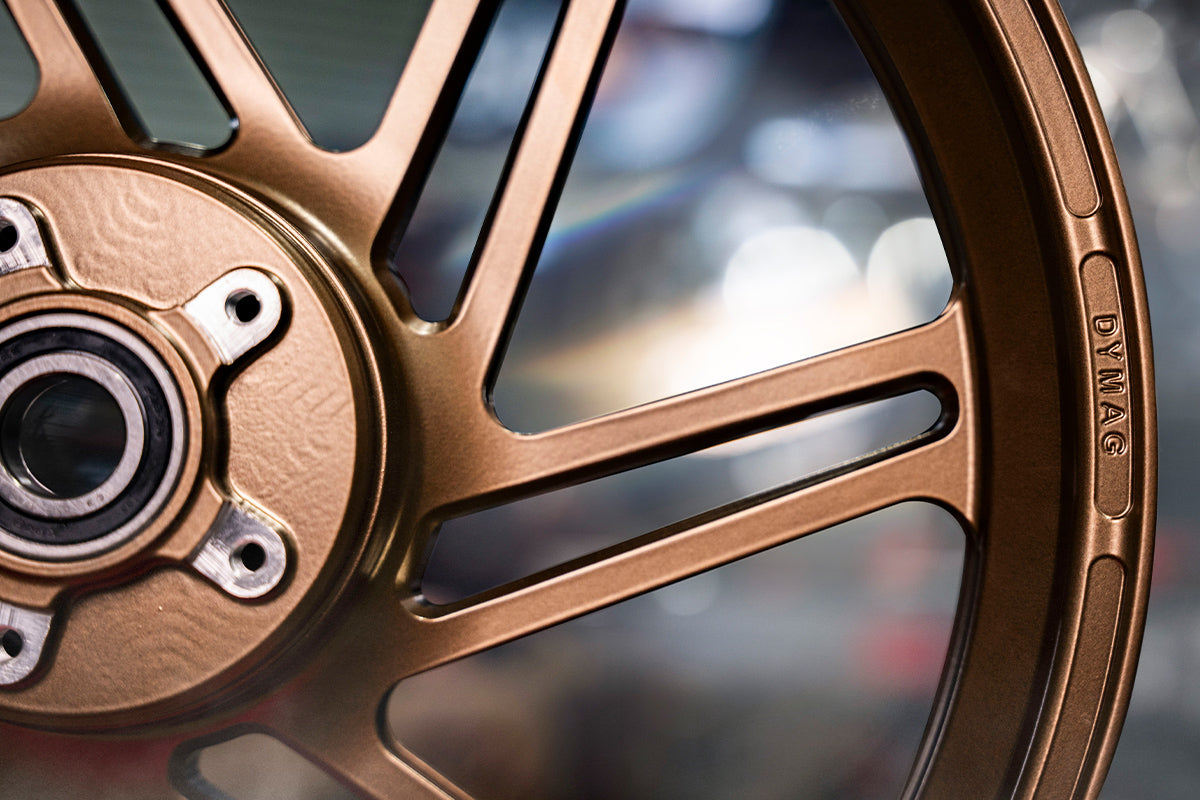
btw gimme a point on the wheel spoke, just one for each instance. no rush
(497, 281)
(417, 113)
(229, 60)
(352, 751)
(938, 471)
(493, 465)
(72, 111)
(352, 192)
(336, 717)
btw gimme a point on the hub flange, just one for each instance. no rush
(230, 510)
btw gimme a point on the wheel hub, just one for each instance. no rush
(181, 426)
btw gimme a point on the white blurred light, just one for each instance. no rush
(738, 208)
(1193, 165)
(1099, 68)
(791, 152)
(660, 101)
(1133, 40)
(1160, 679)
(693, 596)
(721, 347)
(728, 17)
(782, 298)
(494, 97)
(856, 219)
(777, 270)
(791, 452)
(1135, 76)
(908, 267)
(1175, 222)
(796, 151)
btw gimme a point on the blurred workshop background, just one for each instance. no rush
(741, 198)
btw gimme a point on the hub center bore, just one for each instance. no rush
(90, 429)
(63, 435)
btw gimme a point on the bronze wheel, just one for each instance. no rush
(247, 554)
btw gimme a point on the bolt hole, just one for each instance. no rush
(251, 555)
(8, 236)
(243, 306)
(12, 643)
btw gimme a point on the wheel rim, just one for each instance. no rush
(1059, 525)
(1091, 606)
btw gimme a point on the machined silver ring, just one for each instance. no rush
(15, 489)
(162, 376)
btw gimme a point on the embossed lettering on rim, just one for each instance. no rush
(1110, 399)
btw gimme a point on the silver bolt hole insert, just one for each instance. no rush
(237, 312)
(23, 634)
(242, 554)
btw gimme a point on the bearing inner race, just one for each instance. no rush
(66, 401)
(92, 433)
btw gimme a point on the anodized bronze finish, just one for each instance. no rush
(281, 432)
(1045, 452)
